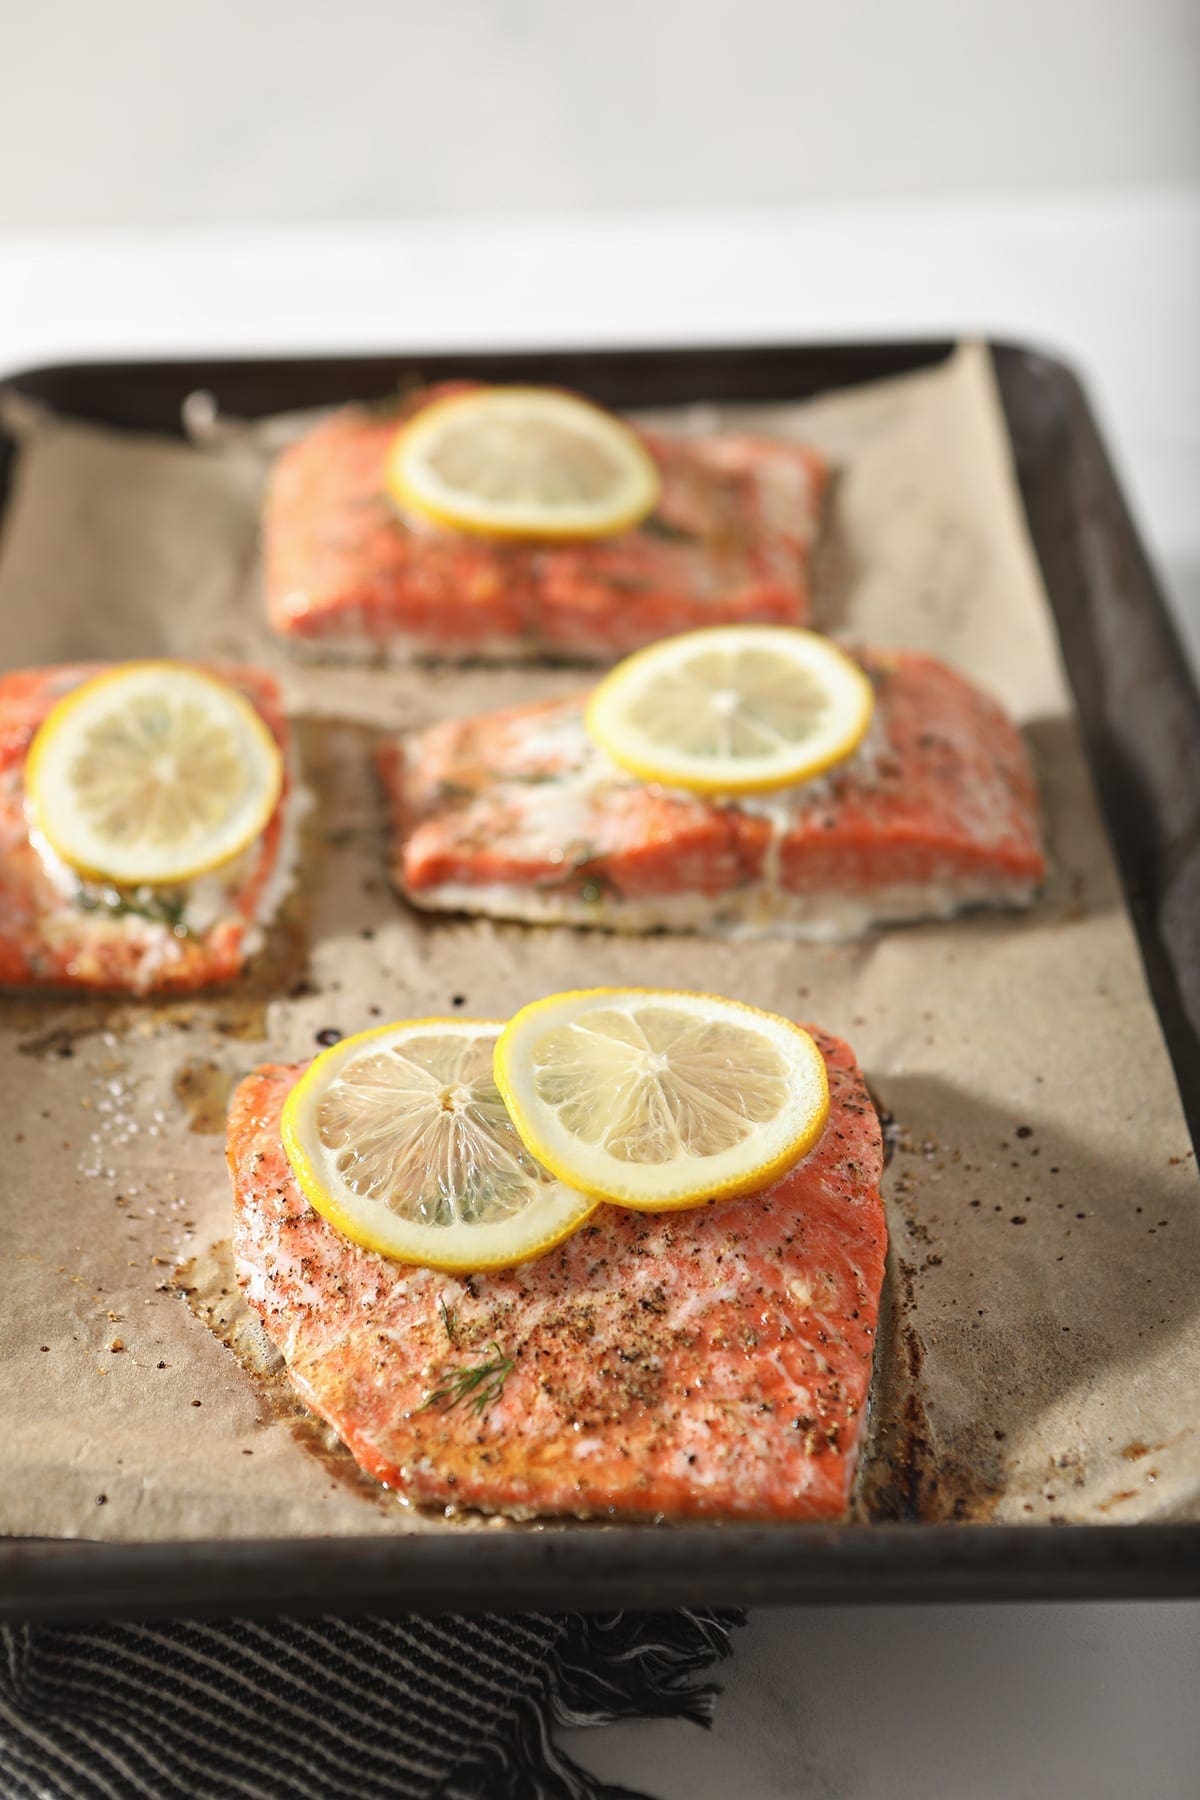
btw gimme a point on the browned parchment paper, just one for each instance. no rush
(1042, 1358)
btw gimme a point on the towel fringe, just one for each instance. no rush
(607, 1667)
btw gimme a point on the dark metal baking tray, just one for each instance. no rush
(1141, 721)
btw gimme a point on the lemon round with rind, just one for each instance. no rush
(732, 709)
(151, 774)
(399, 1137)
(659, 1099)
(522, 462)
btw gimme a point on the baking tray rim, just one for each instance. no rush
(621, 1565)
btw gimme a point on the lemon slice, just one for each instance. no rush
(151, 774)
(734, 709)
(522, 462)
(659, 1100)
(400, 1139)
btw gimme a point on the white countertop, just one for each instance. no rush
(968, 1703)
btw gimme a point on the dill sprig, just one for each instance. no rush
(659, 527)
(160, 909)
(477, 1385)
(448, 1318)
(453, 790)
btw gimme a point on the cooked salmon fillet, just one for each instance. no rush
(713, 1362)
(347, 572)
(519, 815)
(58, 930)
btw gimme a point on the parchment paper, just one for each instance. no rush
(1041, 1357)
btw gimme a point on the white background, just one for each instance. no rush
(336, 174)
(147, 112)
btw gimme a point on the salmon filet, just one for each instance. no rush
(519, 815)
(60, 930)
(347, 572)
(707, 1363)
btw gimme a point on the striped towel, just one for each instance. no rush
(337, 1709)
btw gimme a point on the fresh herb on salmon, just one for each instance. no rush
(158, 908)
(480, 1384)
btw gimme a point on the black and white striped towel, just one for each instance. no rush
(325, 1709)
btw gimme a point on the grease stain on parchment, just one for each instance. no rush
(202, 1088)
(207, 1284)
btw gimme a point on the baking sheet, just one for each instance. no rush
(1041, 1357)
